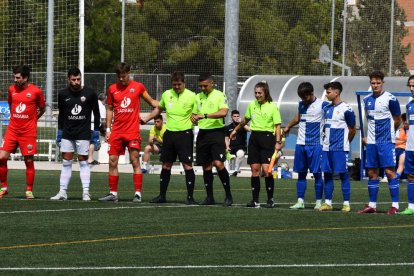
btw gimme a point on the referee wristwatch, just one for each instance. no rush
(279, 142)
(205, 116)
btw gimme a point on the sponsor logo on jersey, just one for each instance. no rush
(83, 98)
(307, 116)
(20, 108)
(76, 110)
(82, 117)
(331, 121)
(125, 102)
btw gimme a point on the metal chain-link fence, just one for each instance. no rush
(275, 36)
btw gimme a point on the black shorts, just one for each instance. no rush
(177, 143)
(159, 146)
(210, 146)
(236, 149)
(261, 147)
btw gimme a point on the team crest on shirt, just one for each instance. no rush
(29, 95)
(29, 146)
(132, 90)
(83, 98)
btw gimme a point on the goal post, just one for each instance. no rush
(362, 118)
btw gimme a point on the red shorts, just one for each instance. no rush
(27, 144)
(118, 142)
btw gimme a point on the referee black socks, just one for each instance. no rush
(164, 181)
(225, 180)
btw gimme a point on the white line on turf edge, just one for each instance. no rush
(162, 206)
(97, 208)
(206, 266)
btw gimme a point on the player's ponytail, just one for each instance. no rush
(263, 84)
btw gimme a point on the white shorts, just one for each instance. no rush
(81, 146)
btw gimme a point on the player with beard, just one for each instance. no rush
(76, 104)
(27, 105)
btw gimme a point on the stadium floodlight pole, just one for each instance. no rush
(332, 36)
(50, 58)
(122, 30)
(231, 45)
(345, 16)
(391, 37)
(82, 38)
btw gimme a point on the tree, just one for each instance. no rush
(102, 35)
(168, 35)
(369, 27)
(282, 37)
(275, 36)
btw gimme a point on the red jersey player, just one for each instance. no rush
(123, 114)
(27, 105)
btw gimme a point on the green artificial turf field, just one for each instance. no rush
(41, 237)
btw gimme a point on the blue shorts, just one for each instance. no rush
(334, 161)
(409, 162)
(307, 157)
(398, 153)
(380, 156)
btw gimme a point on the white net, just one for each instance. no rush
(23, 39)
(278, 37)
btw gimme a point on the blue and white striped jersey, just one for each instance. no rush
(311, 123)
(380, 111)
(410, 118)
(337, 120)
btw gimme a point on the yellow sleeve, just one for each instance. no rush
(152, 131)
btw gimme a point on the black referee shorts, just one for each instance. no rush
(210, 146)
(177, 143)
(261, 147)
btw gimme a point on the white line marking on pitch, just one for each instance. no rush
(155, 206)
(206, 266)
(93, 209)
